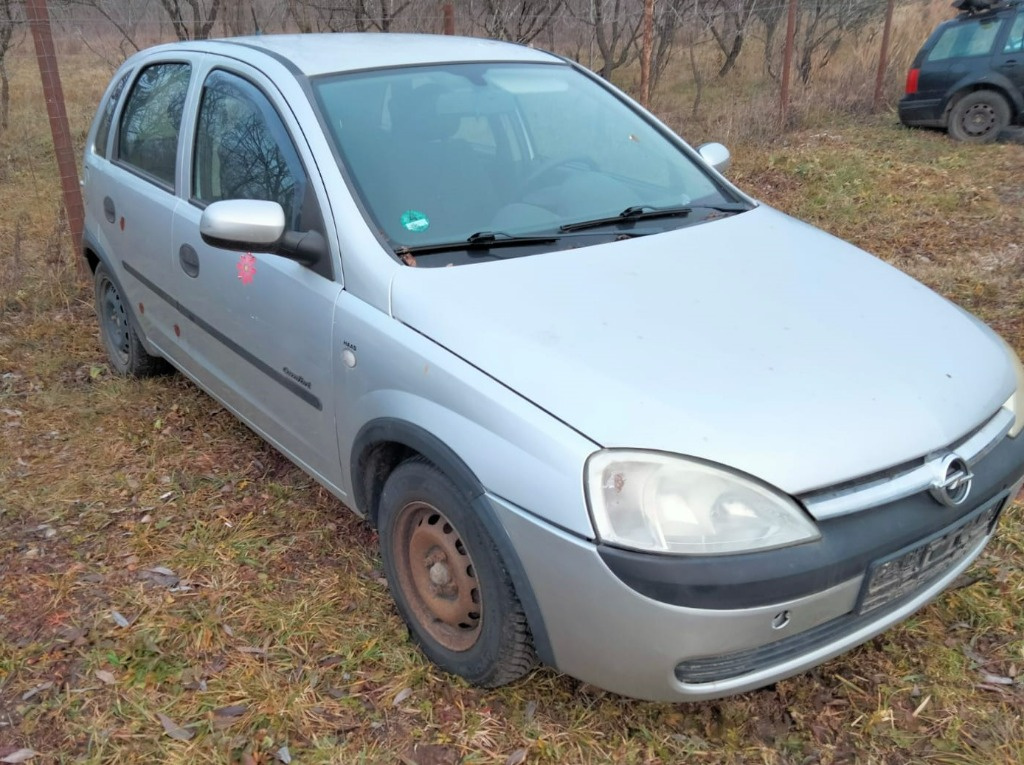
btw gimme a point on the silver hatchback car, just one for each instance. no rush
(606, 411)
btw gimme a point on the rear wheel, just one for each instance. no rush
(979, 117)
(448, 579)
(127, 355)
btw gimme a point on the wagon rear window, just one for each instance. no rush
(970, 38)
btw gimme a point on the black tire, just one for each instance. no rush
(979, 117)
(125, 351)
(448, 580)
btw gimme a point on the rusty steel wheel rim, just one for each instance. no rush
(979, 119)
(437, 575)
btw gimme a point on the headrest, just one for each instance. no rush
(415, 115)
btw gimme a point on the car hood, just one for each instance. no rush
(754, 341)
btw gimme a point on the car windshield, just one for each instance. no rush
(503, 151)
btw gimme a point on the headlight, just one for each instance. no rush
(663, 503)
(1015, 403)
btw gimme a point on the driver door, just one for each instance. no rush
(260, 330)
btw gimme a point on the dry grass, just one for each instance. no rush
(159, 559)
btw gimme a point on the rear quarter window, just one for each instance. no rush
(106, 117)
(966, 39)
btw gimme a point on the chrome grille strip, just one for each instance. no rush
(831, 504)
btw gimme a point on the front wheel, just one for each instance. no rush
(448, 579)
(979, 117)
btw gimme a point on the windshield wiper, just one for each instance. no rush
(647, 212)
(481, 240)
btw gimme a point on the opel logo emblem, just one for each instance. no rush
(954, 482)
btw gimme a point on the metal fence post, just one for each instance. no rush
(39, 20)
(883, 58)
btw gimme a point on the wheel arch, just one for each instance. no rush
(383, 444)
(94, 255)
(1009, 93)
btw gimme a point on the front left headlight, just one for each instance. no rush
(664, 503)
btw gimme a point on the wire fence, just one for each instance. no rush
(714, 69)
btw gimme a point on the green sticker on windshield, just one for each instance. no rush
(415, 221)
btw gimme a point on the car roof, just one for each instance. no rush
(321, 53)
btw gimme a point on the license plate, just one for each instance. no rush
(910, 569)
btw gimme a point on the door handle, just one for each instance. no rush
(108, 209)
(189, 259)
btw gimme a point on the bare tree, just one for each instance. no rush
(192, 19)
(10, 19)
(346, 15)
(728, 22)
(669, 17)
(822, 26)
(615, 26)
(124, 17)
(514, 20)
(237, 17)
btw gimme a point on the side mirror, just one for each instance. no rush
(716, 155)
(254, 224)
(243, 224)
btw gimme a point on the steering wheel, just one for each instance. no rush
(549, 166)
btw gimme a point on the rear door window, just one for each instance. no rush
(147, 137)
(966, 39)
(1015, 40)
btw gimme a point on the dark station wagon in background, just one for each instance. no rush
(969, 76)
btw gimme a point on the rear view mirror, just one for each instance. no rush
(716, 155)
(243, 224)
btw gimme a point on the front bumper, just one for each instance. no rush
(605, 632)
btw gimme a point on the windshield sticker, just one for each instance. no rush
(246, 268)
(415, 221)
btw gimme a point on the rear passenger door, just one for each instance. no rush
(136, 193)
(259, 334)
(962, 49)
(1009, 60)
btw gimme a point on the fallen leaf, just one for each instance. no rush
(518, 757)
(284, 755)
(174, 730)
(402, 696)
(530, 712)
(235, 710)
(997, 679)
(105, 677)
(119, 619)
(22, 755)
(161, 570)
(37, 690)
